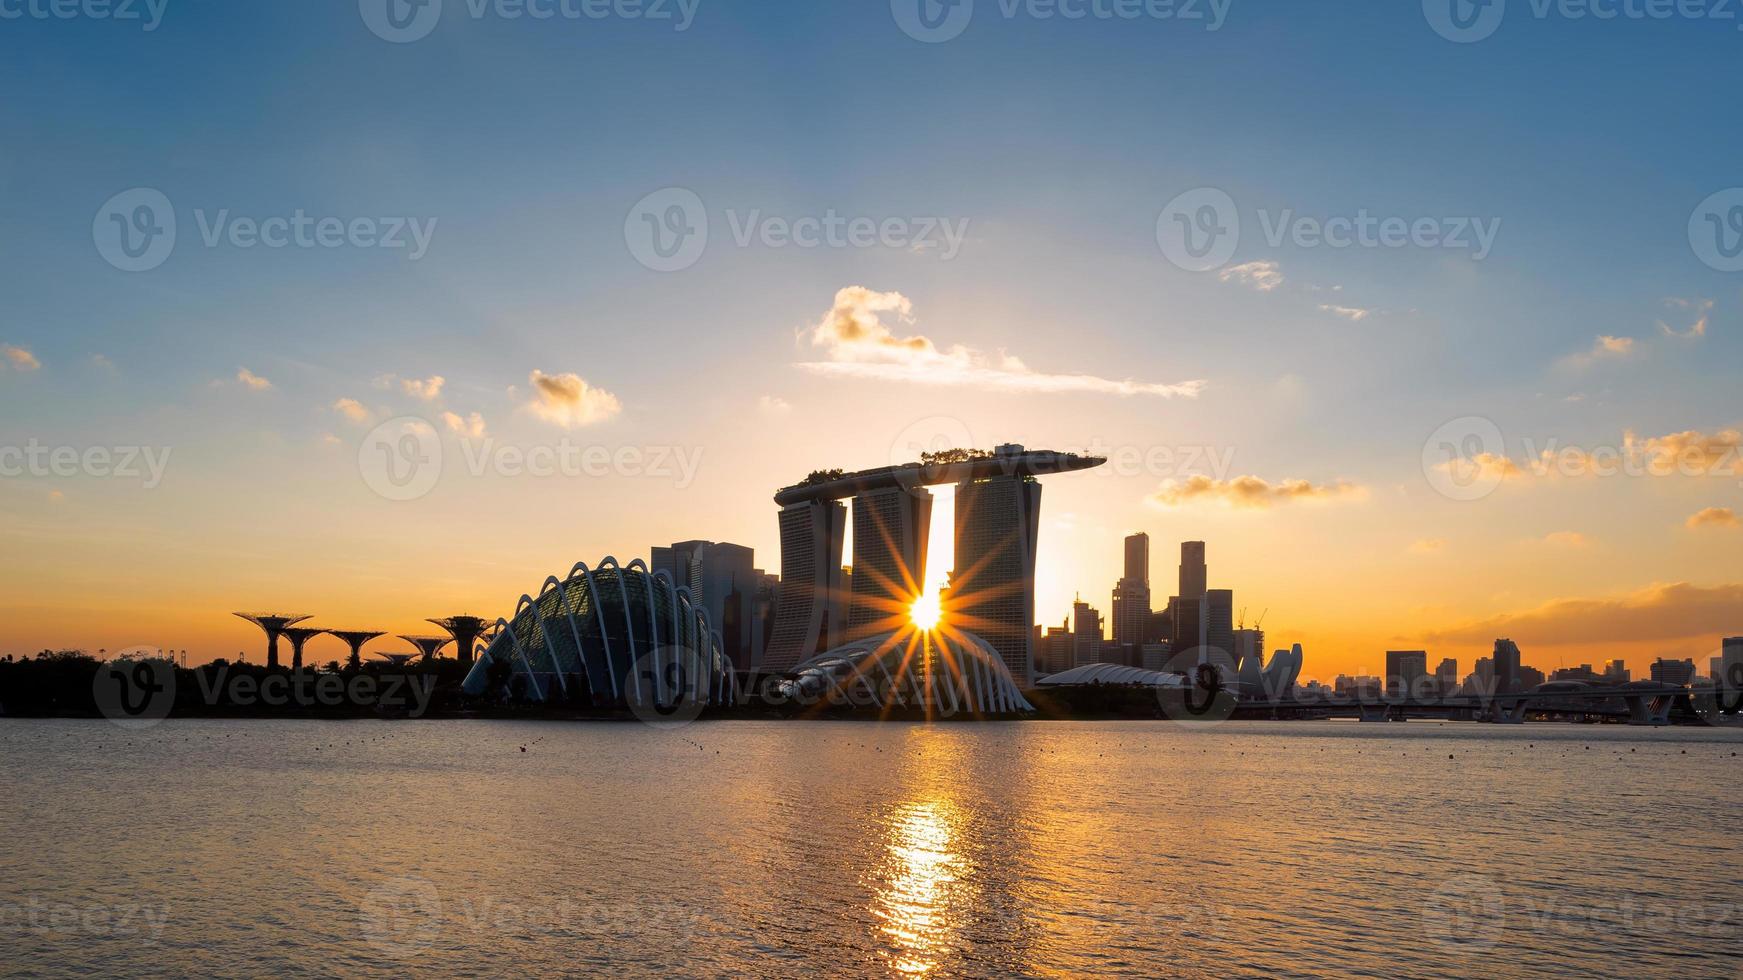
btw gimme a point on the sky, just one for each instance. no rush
(439, 315)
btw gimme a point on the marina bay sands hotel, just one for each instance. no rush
(992, 588)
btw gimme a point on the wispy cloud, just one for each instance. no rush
(1347, 312)
(427, 389)
(1717, 518)
(19, 359)
(1263, 276)
(773, 405)
(253, 382)
(1253, 492)
(569, 401)
(1567, 539)
(1604, 348)
(861, 344)
(1697, 309)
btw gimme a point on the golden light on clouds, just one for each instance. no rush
(567, 400)
(1252, 492)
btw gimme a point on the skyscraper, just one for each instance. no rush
(1131, 608)
(1507, 676)
(1405, 670)
(890, 529)
(722, 579)
(1446, 677)
(998, 525)
(1086, 634)
(1731, 665)
(1216, 629)
(1138, 558)
(808, 618)
(1194, 574)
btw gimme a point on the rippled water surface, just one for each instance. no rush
(854, 849)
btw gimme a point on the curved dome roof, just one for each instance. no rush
(611, 636)
(948, 671)
(1112, 674)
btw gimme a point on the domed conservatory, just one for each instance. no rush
(945, 672)
(610, 637)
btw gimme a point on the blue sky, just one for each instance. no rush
(1059, 142)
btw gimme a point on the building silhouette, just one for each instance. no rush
(998, 527)
(1730, 676)
(1678, 672)
(890, 530)
(1508, 677)
(808, 618)
(1131, 606)
(1185, 611)
(1405, 670)
(1216, 630)
(722, 578)
(1446, 677)
(1086, 634)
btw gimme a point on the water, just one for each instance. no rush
(856, 849)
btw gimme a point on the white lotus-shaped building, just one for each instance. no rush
(608, 636)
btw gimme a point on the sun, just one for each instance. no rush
(926, 612)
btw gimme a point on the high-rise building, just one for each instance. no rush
(1731, 665)
(1616, 672)
(1508, 678)
(1405, 670)
(808, 618)
(1138, 558)
(890, 530)
(1186, 615)
(1446, 677)
(1056, 653)
(1086, 633)
(1131, 610)
(1216, 629)
(998, 526)
(722, 580)
(1194, 574)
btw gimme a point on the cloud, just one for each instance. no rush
(1429, 546)
(1347, 312)
(1567, 539)
(1656, 613)
(102, 363)
(1698, 309)
(861, 345)
(1715, 517)
(429, 389)
(253, 382)
(331, 440)
(1691, 452)
(19, 359)
(569, 401)
(773, 405)
(1253, 492)
(352, 410)
(1605, 348)
(1264, 276)
(471, 425)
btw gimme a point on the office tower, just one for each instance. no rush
(1086, 634)
(1156, 656)
(1678, 672)
(1161, 626)
(998, 526)
(1186, 615)
(722, 580)
(1216, 630)
(890, 528)
(1508, 678)
(808, 617)
(1405, 670)
(1250, 657)
(1194, 574)
(1616, 673)
(1446, 677)
(1138, 558)
(1057, 653)
(1731, 664)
